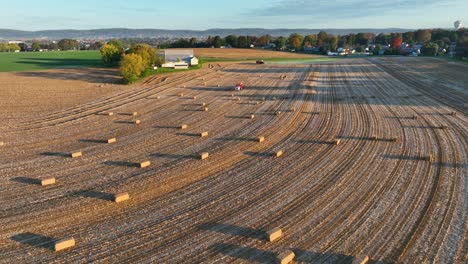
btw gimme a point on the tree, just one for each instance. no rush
(281, 43)
(296, 40)
(321, 38)
(193, 42)
(430, 49)
(117, 43)
(147, 53)
(461, 50)
(131, 67)
(218, 42)
(243, 42)
(231, 40)
(333, 43)
(263, 40)
(408, 37)
(377, 49)
(396, 41)
(68, 44)
(423, 35)
(310, 41)
(35, 46)
(111, 55)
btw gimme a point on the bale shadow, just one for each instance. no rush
(167, 127)
(97, 141)
(125, 122)
(246, 253)
(122, 164)
(237, 139)
(188, 134)
(35, 240)
(403, 157)
(322, 142)
(95, 195)
(25, 180)
(55, 154)
(234, 230)
(367, 138)
(174, 156)
(259, 154)
(237, 117)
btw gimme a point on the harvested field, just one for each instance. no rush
(366, 197)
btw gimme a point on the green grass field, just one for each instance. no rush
(30, 61)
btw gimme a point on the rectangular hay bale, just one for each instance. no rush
(111, 140)
(144, 164)
(137, 122)
(76, 154)
(2, 143)
(204, 134)
(205, 109)
(48, 181)
(120, 197)
(360, 260)
(286, 257)
(274, 234)
(204, 155)
(260, 139)
(64, 244)
(252, 116)
(279, 153)
(337, 142)
(184, 126)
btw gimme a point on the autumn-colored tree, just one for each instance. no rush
(147, 53)
(310, 40)
(110, 54)
(131, 67)
(423, 35)
(296, 40)
(396, 42)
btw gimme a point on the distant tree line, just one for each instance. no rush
(433, 40)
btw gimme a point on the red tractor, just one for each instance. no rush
(239, 86)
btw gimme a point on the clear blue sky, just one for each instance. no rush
(204, 14)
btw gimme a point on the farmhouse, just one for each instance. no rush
(179, 59)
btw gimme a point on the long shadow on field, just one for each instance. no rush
(242, 252)
(167, 127)
(451, 165)
(55, 154)
(234, 230)
(246, 139)
(305, 256)
(259, 154)
(98, 76)
(366, 138)
(34, 240)
(188, 134)
(26, 180)
(121, 163)
(125, 122)
(174, 156)
(403, 157)
(97, 141)
(96, 195)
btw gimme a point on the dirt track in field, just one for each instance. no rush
(365, 196)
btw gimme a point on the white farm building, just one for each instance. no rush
(177, 58)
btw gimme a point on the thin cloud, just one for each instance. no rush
(341, 9)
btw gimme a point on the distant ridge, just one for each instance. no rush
(9, 34)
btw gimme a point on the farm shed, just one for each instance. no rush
(176, 56)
